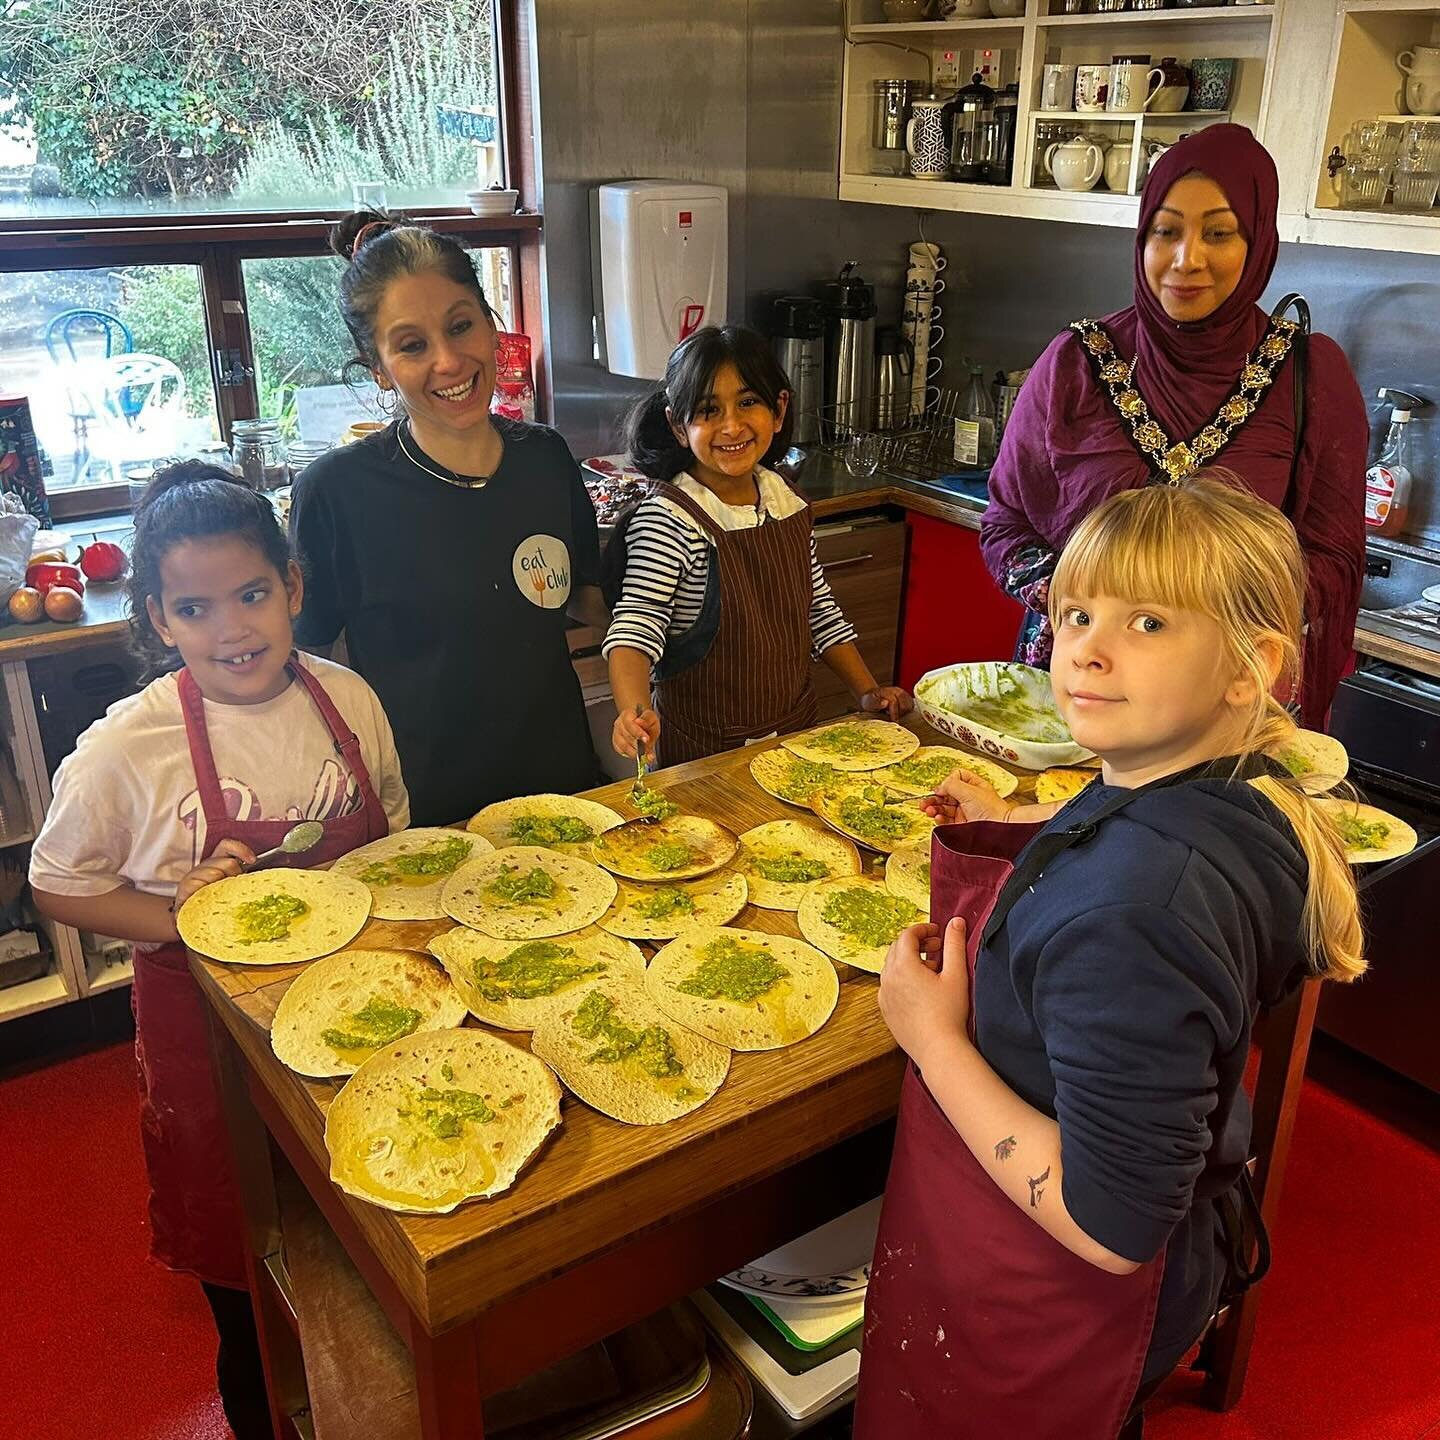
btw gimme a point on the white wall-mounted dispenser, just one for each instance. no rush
(660, 269)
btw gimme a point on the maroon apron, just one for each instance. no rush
(978, 1324)
(754, 678)
(195, 1215)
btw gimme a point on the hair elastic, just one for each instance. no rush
(363, 232)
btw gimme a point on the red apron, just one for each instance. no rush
(978, 1324)
(195, 1216)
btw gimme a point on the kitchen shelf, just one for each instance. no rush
(109, 977)
(1089, 207)
(940, 29)
(1245, 14)
(38, 994)
(1090, 116)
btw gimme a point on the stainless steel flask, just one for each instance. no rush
(849, 354)
(798, 336)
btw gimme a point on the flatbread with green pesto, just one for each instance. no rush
(856, 920)
(274, 917)
(782, 859)
(525, 892)
(622, 1054)
(514, 983)
(922, 772)
(865, 813)
(787, 777)
(1369, 834)
(907, 874)
(854, 744)
(743, 988)
(406, 871)
(683, 847)
(567, 823)
(438, 1119)
(1319, 762)
(339, 1011)
(662, 911)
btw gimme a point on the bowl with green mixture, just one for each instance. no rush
(1000, 708)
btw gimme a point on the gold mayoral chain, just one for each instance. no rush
(1176, 461)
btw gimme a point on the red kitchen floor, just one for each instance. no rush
(97, 1342)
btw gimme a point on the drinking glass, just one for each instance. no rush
(862, 453)
(1364, 183)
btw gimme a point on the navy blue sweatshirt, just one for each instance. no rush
(1118, 998)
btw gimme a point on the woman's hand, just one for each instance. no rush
(925, 989)
(630, 727)
(228, 857)
(964, 796)
(894, 701)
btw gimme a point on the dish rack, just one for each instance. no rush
(919, 447)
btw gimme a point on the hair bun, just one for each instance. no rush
(357, 230)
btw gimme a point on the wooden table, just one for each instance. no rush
(609, 1222)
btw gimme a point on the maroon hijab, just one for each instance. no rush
(1186, 372)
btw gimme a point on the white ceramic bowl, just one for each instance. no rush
(492, 202)
(944, 697)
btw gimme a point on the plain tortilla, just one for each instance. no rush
(584, 894)
(785, 838)
(494, 822)
(1401, 840)
(837, 943)
(794, 1008)
(461, 950)
(624, 1090)
(717, 898)
(338, 908)
(1000, 778)
(326, 995)
(907, 874)
(885, 743)
(382, 1151)
(414, 897)
(624, 851)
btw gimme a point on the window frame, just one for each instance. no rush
(218, 244)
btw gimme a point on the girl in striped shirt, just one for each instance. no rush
(723, 603)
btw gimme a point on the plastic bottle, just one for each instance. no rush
(1387, 481)
(975, 425)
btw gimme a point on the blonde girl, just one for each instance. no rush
(1082, 1022)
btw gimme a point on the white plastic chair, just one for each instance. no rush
(135, 407)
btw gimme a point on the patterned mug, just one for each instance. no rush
(1210, 82)
(925, 141)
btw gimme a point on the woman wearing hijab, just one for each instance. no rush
(1194, 373)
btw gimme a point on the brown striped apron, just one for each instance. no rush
(755, 678)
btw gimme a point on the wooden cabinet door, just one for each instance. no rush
(865, 565)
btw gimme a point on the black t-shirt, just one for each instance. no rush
(452, 600)
(1119, 997)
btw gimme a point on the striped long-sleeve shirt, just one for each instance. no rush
(667, 565)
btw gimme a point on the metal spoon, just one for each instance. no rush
(298, 839)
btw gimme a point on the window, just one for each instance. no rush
(190, 181)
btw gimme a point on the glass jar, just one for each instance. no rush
(259, 454)
(301, 452)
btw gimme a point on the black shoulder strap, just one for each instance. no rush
(1299, 375)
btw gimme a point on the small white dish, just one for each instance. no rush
(492, 202)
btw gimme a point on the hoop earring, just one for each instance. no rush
(389, 402)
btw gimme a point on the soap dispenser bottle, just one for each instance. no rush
(1388, 480)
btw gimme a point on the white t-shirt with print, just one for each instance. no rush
(127, 807)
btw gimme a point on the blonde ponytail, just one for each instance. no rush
(1210, 546)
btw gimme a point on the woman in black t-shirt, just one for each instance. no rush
(450, 547)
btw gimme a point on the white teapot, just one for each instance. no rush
(1421, 67)
(1076, 164)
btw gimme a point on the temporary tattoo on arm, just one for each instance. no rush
(1037, 1186)
(1005, 1148)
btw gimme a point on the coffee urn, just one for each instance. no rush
(798, 335)
(849, 354)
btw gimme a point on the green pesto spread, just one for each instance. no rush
(731, 971)
(268, 918)
(447, 1072)
(652, 804)
(515, 888)
(661, 904)
(1361, 834)
(652, 1048)
(802, 778)
(670, 855)
(446, 1111)
(928, 770)
(378, 1022)
(1016, 716)
(925, 872)
(870, 917)
(442, 858)
(874, 821)
(549, 830)
(847, 741)
(1296, 763)
(793, 869)
(539, 967)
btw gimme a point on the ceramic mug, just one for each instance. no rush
(925, 255)
(1210, 82)
(1422, 93)
(1132, 84)
(925, 141)
(1057, 89)
(1092, 86)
